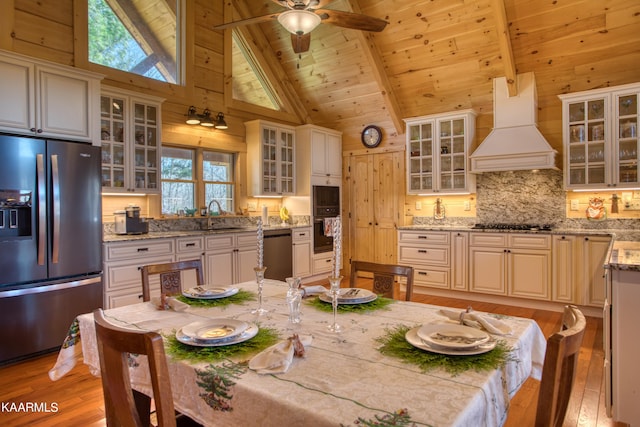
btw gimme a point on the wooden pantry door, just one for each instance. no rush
(376, 197)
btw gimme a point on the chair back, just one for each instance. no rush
(559, 369)
(122, 408)
(170, 276)
(383, 276)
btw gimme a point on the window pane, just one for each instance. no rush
(176, 196)
(140, 38)
(223, 193)
(177, 163)
(217, 166)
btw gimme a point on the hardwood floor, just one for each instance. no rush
(78, 395)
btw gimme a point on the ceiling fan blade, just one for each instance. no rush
(355, 21)
(248, 21)
(300, 43)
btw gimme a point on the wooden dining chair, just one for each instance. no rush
(170, 276)
(559, 369)
(384, 277)
(123, 405)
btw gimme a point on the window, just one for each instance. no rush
(178, 180)
(217, 175)
(138, 37)
(185, 188)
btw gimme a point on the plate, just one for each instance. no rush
(201, 292)
(212, 330)
(452, 335)
(350, 296)
(412, 338)
(250, 332)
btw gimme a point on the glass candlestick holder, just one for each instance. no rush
(294, 298)
(335, 294)
(260, 281)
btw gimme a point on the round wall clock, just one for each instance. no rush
(371, 136)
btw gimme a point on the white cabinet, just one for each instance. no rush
(131, 141)
(510, 264)
(122, 262)
(437, 153)
(230, 258)
(600, 134)
(428, 252)
(47, 99)
(592, 260)
(322, 148)
(565, 268)
(190, 248)
(302, 249)
(322, 263)
(459, 260)
(270, 159)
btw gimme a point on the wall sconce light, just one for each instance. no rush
(204, 119)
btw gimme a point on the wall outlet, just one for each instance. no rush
(574, 205)
(252, 206)
(632, 205)
(418, 206)
(467, 205)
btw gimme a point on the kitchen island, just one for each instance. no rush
(621, 319)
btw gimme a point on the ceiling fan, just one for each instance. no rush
(302, 16)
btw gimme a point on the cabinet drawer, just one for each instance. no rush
(127, 274)
(530, 241)
(436, 255)
(301, 235)
(488, 239)
(223, 241)
(430, 237)
(321, 265)
(431, 277)
(247, 239)
(119, 251)
(189, 244)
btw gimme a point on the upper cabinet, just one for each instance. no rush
(319, 156)
(130, 134)
(47, 99)
(270, 159)
(437, 153)
(600, 138)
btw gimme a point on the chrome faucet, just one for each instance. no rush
(220, 211)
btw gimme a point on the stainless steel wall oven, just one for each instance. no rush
(326, 204)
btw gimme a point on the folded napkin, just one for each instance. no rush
(313, 290)
(170, 303)
(477, 320)
(277, 358)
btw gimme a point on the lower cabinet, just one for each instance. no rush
(230, 258)
(122, 262)
(510, 264)
(302, 247)
(322, 263)
(187, 249)
(430, 255)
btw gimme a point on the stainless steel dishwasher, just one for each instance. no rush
(278, 253)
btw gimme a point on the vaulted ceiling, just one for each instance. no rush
(441, 55)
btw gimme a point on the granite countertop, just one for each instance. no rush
(108, 238)
(625, 256)
(617, 234)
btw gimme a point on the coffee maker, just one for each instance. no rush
(128, 221)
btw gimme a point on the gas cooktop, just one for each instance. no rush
(517, 227)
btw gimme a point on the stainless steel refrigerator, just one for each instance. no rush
(50, 241)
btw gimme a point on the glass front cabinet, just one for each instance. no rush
(437, 153)
(270, 158)
(600, 138)
(130, 136)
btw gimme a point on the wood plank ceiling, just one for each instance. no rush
(441, 55)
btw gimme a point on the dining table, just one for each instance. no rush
(343, 378)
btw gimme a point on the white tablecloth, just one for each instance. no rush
(342, 378)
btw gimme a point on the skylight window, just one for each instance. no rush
(139, 37)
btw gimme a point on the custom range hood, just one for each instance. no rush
(515, 143)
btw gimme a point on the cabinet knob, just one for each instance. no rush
(586, 239)
(563, 237)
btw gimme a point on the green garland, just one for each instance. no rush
(377, 304)
(266, 337)
(394, 344)
(240, 298)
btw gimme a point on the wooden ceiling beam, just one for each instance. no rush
(371, 52)
(502, 28)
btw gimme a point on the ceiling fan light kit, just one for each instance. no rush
(299, 21)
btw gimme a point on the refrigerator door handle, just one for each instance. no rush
(42, 209)
(55, 182)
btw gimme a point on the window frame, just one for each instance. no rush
(198, 179)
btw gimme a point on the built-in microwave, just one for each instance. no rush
(326, 201)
